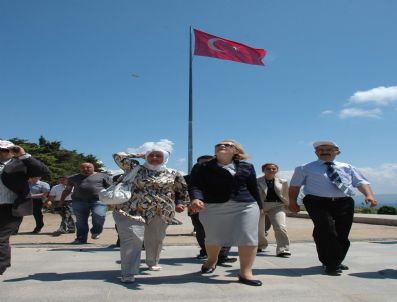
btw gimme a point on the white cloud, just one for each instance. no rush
(358, 112)
(383, 178)
(326, 112)
(379, 96)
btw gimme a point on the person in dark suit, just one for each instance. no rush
(225, 192)
(16, 166)
(223, 256)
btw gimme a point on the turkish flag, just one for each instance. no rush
(212, 46)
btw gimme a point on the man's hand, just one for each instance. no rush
(372, 201)
(294, 207)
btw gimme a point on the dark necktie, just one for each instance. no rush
(336, 179)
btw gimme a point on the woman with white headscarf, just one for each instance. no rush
(157, 192)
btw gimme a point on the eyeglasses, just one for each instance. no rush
(225, 145)
(270, 169)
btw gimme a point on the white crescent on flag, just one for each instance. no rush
(212, 45)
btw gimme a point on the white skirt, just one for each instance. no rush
(231, 223)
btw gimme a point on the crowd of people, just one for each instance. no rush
(228, 204)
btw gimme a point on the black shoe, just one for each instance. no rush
(207, 270)
(343, 267)
(332, 271)
(78, 241)
(250, 282)
(260, 250)
(284, 254)
(36, 231)
(71, 231)
(223, 260)
(201, 256)
(57, 233)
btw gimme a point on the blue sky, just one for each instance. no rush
(104, 76)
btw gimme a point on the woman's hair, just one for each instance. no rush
(241, 155)
(268, 164)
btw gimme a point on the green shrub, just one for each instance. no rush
(388, 210)
(365, 210)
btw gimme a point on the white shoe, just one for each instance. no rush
(155, 268)
(129, 279)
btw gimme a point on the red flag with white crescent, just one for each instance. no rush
(212, 46)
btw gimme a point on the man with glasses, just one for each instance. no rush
(16, 166)
(328, 188)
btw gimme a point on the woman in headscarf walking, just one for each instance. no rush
(157, 193)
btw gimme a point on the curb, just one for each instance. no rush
(390, 220)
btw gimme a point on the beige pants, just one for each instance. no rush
(276, 214)
(132, 234)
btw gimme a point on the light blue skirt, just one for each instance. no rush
(231, 223)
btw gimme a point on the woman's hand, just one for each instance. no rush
(196, 206)
(179, 208)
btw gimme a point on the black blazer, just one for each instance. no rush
(213, 184)
(16, 174)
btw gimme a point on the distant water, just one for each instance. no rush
(383, 200)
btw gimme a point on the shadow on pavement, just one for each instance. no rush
(384, 242)
(112, 276)
(383, 274)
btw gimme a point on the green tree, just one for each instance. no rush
(60, 161)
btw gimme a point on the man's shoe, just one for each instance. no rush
(223, 260)
(155, 268)
(343, 267)
(36, 230)
(207, 270)
(284, 254)
(79, 241)
(333, 271)
(259, 250)
(129, 279)
(71, 231)
(201, 256)
(250, 282)
(95, 236)
(57, 233)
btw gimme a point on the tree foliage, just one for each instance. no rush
(60, 161)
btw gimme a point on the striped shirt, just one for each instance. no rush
(313, 177)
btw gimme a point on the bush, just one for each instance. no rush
(365, 210)
(388, 210)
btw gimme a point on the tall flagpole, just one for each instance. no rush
(190, 141)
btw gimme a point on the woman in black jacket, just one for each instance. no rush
(224, 191)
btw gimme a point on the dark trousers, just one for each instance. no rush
(332, 221)
(8, 225)
(37, 213)
(200, 237)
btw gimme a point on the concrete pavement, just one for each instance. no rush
(46, 268)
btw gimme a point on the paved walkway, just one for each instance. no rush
(46, 268)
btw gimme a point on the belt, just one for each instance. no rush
(314, 197)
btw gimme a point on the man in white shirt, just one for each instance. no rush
(328, 186)
(65, 210)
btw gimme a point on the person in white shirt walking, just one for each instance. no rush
(65, 210)
(328, 188)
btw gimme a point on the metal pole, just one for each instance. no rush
(190, 140)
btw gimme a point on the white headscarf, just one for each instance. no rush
(164, 146)
(159, 167)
